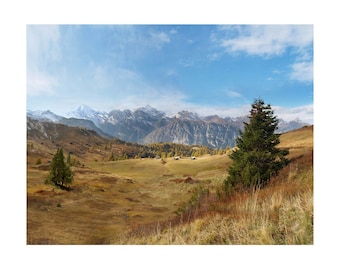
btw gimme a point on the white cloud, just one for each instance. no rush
(173, 31)
(265, 40)
(133, 41)
(222, 111)
(271, 40)
(186, 62)
(166, 99)
(233, 94)
(276, 71)
(39, 83)
(101, 77)
(170, 73)
(43, 42)
(303, 113)
(43, 48)
(158, 39)
(302, 72)
(106, 77)
(214, 56)
(126, 89)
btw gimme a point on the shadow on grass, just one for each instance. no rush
(63, 187)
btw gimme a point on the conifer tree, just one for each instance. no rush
(60, 173)
(256, 157)
(68, 160)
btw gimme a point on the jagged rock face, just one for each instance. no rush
(36, 129)
(194, 133)
(148, 125)
(132, 125)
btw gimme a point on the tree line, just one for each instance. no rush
(165, 150)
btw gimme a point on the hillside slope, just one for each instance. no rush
(186, 131)
(281, 213)
(154, 201)
(43, 138)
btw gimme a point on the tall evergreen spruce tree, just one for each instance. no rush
(256, 157)
(60, 173)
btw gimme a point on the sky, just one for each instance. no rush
(208, 69)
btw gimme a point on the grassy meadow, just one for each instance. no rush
(154, 201)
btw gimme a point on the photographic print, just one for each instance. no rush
(180, 134)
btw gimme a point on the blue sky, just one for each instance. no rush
(208, 69)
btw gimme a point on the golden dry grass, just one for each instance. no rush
(282, 213)
(111, 199)
(279, 214)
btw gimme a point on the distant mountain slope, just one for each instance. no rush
(48, 116)
(148, 125)
(46, 137)
(74, 140)
(292, 125)
(74, 122)
(192, 132)
(43, 138)
(44, 116)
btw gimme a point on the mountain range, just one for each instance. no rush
(146, 125)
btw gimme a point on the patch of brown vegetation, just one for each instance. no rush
(187, 180)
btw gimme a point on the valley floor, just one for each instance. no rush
(147, 201)
(108, 198)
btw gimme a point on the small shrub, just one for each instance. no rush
(163, 161)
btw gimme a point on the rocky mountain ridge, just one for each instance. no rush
(148, 125)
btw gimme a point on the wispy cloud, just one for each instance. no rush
(110, 78)
(186, 62)
(43, 43)
(264, 40)
(303, 113)
(302, 71)
(173, 31)
(129, 42)
(214, 56)
(269, 41)
(101, 78)
(158, 39)
(170, 73)
(276, 71)
(220, 111)
(149, 95)
(43, 48)
(39, 83)
(129, 90)
(233, 94)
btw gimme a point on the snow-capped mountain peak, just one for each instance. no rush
(44, 115)
(186, 115)
(152, 112)
(86, 112)
(82, 111)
